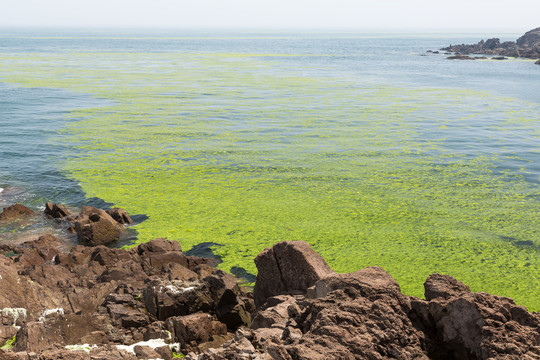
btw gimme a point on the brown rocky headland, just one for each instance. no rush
(527, 46)
(96, 302)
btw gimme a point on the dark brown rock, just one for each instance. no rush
(484, 326)
(120, 215)
(15, 212)
(56, 211)
(197, 328)
(145, 352)
(95, 227)
(160, 245)
(287, 267)
(443, 286)
(368, 281)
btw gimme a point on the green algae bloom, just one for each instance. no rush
(9, 344)
(244, 151)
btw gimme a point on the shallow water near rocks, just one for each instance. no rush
(373, 154)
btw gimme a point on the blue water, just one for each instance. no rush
(29, 161)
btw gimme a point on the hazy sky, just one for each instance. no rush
(519, 15)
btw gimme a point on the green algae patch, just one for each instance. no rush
(9, 344)
(245, 150)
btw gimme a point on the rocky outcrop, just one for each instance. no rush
(103, 303)
(364, 315)
(288, 267)
(56, 211)
(95, 227)
(115, 299)
(527, 46)
(120, 216)
(15, 212)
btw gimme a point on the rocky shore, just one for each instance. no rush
(527, 46)
(154, 302)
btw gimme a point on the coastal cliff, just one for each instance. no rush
(527, 46)
(95, 302)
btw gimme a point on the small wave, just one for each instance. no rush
(1, 189)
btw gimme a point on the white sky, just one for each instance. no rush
(519, 15)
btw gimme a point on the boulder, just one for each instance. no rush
(484, 326)
(56, 211)
(159, 245)
(443, 286)
(195, 328)
(368, 281)
(95, 227)
(287, 267)
(15, 212)
(275, 313)
(530, 38)
(492, 43)
(537, 62)
(120, 215)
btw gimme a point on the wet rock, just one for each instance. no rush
(460, 57)
(287, 267)
(120, 215)
(56, 211)
(443, 286)
(15, 212)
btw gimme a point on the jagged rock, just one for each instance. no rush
(530, 38)
(484, 326)
(367, 281)
(287, 267)
(275, 313)
(95, 227)
(195, 329)
(165, 299)
(15, 212)
(56, 211)
(443, 286)
(98, 295)
(492, 43)
(527, 46)
(120, 215)
(145, 352)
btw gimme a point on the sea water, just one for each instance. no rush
(364, 145)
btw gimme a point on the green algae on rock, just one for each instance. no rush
(244, 151)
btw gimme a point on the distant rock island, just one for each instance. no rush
(527, 46)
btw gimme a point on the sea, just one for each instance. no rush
(364, 144)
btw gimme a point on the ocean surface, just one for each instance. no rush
(363, 144)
